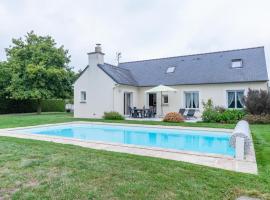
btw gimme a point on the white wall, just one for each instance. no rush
(119, 97)
(216, 92)
(99, 91)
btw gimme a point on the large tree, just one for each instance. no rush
(38, 69)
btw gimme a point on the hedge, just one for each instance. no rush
(28, 106)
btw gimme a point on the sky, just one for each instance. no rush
(139, 29)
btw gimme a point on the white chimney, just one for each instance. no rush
(96, 57)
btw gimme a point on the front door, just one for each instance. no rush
(127, 102)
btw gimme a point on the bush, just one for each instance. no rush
(220, 114)
(28, 106)
(113, 116)
(173, 117)
(53, 105)
(258, 119)
(257, 102)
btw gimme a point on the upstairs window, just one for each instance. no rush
(235, 99)
(83, 96)
(170, 70)
(192, 99)
(237, 63)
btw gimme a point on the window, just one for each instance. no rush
(237, 63)
(192, 99)
(235, 99)
(165, 99)
(83, 96)
(170, 70)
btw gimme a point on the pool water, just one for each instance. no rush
(189, 140)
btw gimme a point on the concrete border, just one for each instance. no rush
(212, 160)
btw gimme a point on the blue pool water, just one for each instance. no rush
(198, 141)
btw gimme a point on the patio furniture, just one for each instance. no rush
(153, 112)
(190, 113)
(131, 112)
(182, 111)
(138, 113)
(148, 113)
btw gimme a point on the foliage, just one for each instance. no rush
(173, 117)
(113, 115)
(257, 102)
(38, 69)
(220, 114)
(258, 119)
(5, 77)
(53, 105)
(28, 105)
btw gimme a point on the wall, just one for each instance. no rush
(217, 92)
(99, 93)
(119, 91)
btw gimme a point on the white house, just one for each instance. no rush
(222, 76)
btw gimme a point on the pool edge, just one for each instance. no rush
(217, 161)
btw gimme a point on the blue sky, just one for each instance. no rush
(140, 29)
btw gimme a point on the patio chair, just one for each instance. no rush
(182, 111)
(190, 113)
(131, 112)
(151, 112)
(148, 113)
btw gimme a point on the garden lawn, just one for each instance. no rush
(42, 170)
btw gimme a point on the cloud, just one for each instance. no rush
(139, 29)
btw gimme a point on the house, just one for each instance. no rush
(224, 77)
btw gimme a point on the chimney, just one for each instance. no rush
(96, 57)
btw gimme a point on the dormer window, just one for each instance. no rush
(237, 63)
(170, 70)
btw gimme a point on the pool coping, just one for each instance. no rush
(207, 159)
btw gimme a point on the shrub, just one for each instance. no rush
(53, 105)
(231, 116)
(27, 106)
(113, 116)
(257, 102)
(173, 117)
(220, 114)
(258, 119)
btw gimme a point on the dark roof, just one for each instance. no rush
(118, 74)
(204, 68)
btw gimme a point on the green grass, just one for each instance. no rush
(42, 170)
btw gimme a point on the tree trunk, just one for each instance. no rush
(39, 106)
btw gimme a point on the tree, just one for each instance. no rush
(39, 69)
(5, 77)
(257, 102)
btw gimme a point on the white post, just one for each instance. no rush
(239, 148)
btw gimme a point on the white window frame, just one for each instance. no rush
(185, 102)
(163, 98)
(83, 96)
(237, 63)
(235, 98)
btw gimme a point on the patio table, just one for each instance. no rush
(141, 112)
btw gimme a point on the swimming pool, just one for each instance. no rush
(175, 139)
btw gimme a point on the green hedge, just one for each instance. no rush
(27, 106)
(53, 105)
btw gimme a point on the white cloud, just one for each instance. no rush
(139, 29)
